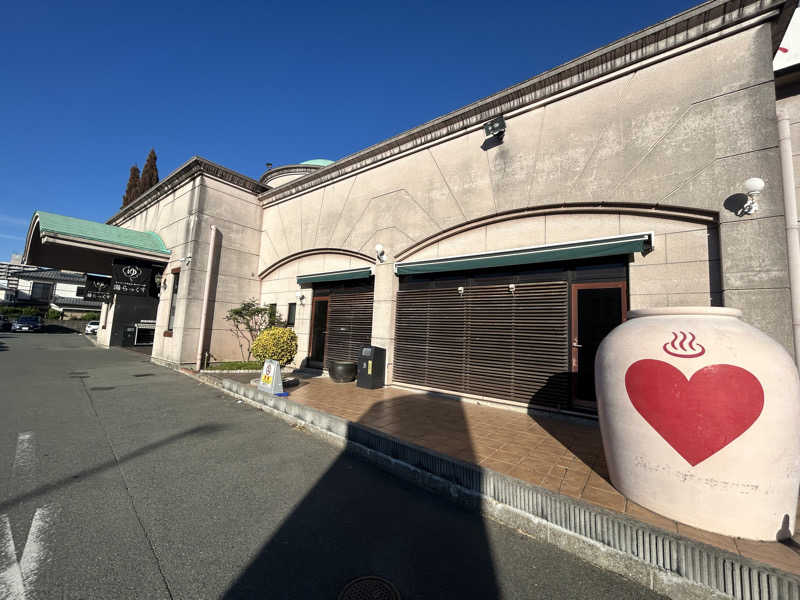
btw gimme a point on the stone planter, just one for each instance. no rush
(342, 371)
(700, 418)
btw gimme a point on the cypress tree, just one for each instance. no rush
(149, 172)
(134, 187)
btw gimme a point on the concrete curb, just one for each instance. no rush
(230, 371)
(665, 562)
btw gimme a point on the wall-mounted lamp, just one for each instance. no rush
(753, 188)
(496, 127)
(511, 287)
(380, 252)
(299, 295)
(460, 290)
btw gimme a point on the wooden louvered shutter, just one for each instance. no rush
(487, 342)
(349, 324)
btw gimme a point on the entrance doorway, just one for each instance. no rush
(319, 332)
(596, 308)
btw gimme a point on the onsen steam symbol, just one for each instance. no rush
(684, 348)
(131, 272)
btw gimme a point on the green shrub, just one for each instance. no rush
(32, 311)
(276, 343)
(54, 314)
(90, 316)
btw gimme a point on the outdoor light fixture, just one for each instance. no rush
(495, 127)
(380, 252)
(511, 287)
(186, 260)
(299, 295)
(460, 290)
(753, 188)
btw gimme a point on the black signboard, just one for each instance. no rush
(98, 288)
(131, 278)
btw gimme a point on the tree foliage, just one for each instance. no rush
(248, 320)
(276, 343)
(149, 172)
(133, 188)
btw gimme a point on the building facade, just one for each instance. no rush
(489, 264)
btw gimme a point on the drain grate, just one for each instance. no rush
(143, 374)
(369, 588)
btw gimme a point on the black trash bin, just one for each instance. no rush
(371, 367)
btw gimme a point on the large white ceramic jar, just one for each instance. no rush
(700, 417)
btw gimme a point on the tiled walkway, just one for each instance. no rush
(562, 455)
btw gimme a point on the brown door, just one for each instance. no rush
(319, 332)
(596, 309)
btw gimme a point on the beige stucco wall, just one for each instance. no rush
(183, 219)
(683, 133)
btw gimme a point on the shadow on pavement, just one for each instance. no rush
(75, 477)
(342, 530)
(580, 435)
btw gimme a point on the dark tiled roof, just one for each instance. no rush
(53, 275)
(72, 302)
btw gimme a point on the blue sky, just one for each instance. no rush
(87, 88)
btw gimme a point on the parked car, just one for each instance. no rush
(92, 327)
(5, 324)
(28, 324)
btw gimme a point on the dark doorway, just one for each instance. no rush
(319, 330)
(596, 309)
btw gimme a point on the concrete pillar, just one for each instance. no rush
(106, 321)
(383, 311)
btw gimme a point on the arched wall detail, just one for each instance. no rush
(692, 217)
(279, 285)
(313, 252)
(683, 268)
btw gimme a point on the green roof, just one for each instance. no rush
(610, 246)
(148, 241)
(360, 273)
(319, 162)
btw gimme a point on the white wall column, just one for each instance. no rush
(383, 312)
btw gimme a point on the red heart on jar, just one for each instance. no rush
(699, 416)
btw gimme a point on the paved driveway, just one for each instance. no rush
(120, 479)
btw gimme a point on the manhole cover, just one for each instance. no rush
(369, 588)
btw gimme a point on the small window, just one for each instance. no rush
(173, 300)
(81, 291)
(273, 313)
(42, 291)
(290, 314)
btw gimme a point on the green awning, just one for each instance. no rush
(62, 242)
(62, 225)
(610, 246)
(360, 273)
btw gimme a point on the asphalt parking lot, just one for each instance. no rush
(121, 479)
